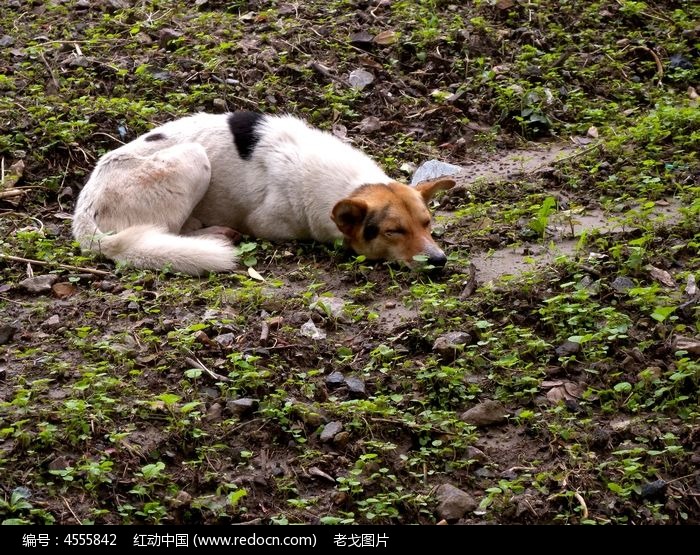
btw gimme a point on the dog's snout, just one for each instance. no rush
(438, 260)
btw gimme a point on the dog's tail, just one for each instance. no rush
(153, 247)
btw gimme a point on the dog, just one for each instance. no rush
(176, 196)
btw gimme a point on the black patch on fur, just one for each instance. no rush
(243, 125)
(372, 222)
(154, 137)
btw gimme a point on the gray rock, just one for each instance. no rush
(182, 499)
(219, 105)
(167, 37)
(214, 412)
(360, 78)
(475, 454)
(226, 340)
(39, 284)
(342, 439)
(309, 329)
(484, 473)
(449, 344)
(52, 322)
(453, 503)
(432, 169)
(568, 348)
(6, 333)
(334, 379)
(7, 40)
(331, 306)
(331, 430)
(355, 385)
(309, 415)
(59, 463)
(622, 284)
(485, 414)
(362, 39)
(241, 406)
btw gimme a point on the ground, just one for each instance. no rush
(550, 373)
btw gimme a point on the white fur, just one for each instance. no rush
(142, 196)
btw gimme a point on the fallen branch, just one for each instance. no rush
(657, 60)
(196, 363)
(9, 193)
(58, 265)
(584, 508)
(578, 153)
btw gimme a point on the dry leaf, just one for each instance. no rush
(662, 276)
(687, 344)
(505, 4)
(318, 473)
(64, 289)
(592, 132)
(386, 37)
(560, 390)
(252, 272)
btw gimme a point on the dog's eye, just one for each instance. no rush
(394, 232)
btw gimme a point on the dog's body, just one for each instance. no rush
(168, 198)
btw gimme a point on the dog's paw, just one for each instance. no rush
(230, 234)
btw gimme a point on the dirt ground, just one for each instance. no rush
(549, 374)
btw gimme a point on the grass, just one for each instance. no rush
(159, 398)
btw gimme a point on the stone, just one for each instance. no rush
(475, 454)
(341, 439)
(449, 344)
(453, 503)
(214, 412)
(6, 333)
(568, 348)
(241, 406)
(310, 330)
(432, 169)
(52, 322)
(331, 306)
(484, 414)
(334, 379)
(360, 78)
(622, 284)
(225, 340)
(355, 385)
(331, 430)
(39, 284)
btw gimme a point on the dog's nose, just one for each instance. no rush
(437, 260)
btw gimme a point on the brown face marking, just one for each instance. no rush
(391, 221)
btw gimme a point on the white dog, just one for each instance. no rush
(174, 196)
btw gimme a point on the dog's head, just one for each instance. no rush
(391, 221)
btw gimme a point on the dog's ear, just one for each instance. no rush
(427, 189)
(348, 214)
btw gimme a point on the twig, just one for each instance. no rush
(578, 153)
(194, 361)
(9, 193)
(581, 501)
(657, 60)
(65, 501)
(264, 333)
(50, 70)
(62, 266)
(323, 70)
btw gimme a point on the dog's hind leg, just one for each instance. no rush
(161, 188)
